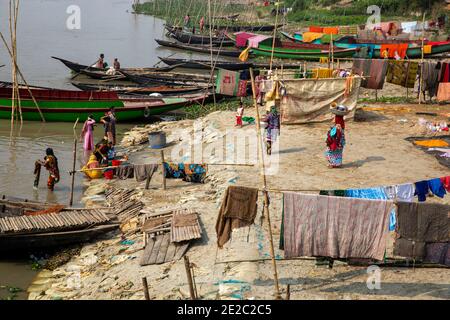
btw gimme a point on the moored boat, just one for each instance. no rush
(206, 65)
(234, 28)
(130, 89)
(69, 105)
(198, 48)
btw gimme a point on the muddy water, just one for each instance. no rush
(17, 155)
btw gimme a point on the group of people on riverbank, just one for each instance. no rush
(97, 154)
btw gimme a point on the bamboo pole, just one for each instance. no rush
(23, 78)
(73, 170)
(187, 266)
(264, 182)
(211, 49)
(421, 61)
(274, 35)
(145, 287)
(13, 98)
(19, 104)
(163, 170)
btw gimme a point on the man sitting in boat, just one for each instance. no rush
(116, 67)
(101, 64)
(51, 164)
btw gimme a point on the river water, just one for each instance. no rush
(107, 26)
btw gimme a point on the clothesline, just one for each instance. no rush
(208, 164)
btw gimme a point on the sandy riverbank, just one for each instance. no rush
(376, 154)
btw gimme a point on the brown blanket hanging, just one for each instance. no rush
(238, 210)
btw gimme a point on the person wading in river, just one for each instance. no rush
(51, 164)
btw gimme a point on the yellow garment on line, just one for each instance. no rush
(427, 49)
(431, 143)
(323, 60)
(244, 55)
(322, 73)
(311, 36)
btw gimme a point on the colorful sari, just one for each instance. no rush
(51, 164)
(335, 146)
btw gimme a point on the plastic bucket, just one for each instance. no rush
(157, 140)
(116, 163)
(109, 174)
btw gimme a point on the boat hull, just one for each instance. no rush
(313, 55)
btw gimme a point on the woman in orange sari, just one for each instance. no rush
(51, 164)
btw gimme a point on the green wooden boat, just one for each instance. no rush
(68, 106)
(306, 54)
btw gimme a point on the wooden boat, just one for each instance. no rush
(235, 28)
(68, 105)
(205, 64)
(292, 52)
(169, 78)
(198, 48)
(130, 89)
(78, 68)
(31, 225)
(190, 38)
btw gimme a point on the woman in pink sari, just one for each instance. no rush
(88, 134)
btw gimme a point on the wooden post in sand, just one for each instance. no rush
(145, 287)
(421, 62)
(264, 182)
(187, 265)
(73, 170)
(163, 170)
(288, 292)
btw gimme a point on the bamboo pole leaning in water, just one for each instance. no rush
(19, 104)
(73, 170)
(264, 181)
(22, 76)
(13, 98)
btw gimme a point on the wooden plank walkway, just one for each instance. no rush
(63, 220)
(160, 250)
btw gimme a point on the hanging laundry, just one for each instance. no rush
(331, 30)
(402, 73)
(444, 75)
(437, 187)
(335, 193)
(362, 67)
(322, 73)
(124, 172)
(430, 78)
(375, 194)
(238, 210)
(438, 252)
(443, 94)
(174, 170)
(377, 74)
(418, 224)
(227, 82)
(392, 49)
(316, 29)
(446, 183)
(405, 192)
(242, 88)
(335, 227)
(422, 190)
(143, 171)
(195, 172)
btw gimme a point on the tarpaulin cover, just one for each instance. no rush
(309, 100)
